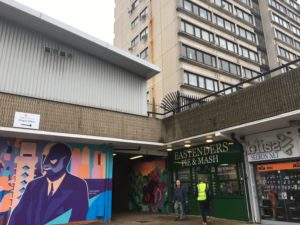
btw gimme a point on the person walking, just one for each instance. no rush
(179, 198)
(203, 199)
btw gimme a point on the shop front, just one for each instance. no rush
(275, 159)
(221, 165)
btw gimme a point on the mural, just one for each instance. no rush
(53, 183)
(148, 187)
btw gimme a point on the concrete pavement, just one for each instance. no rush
(159, 219)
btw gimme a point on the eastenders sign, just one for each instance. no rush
(201, 155)
(272, 145)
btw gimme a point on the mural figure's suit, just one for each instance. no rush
(37, 207)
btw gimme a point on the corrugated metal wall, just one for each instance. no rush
(35, 66)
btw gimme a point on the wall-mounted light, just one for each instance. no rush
(114, 154)
(187, 145)
(209, 140)
(136, 157)
(169, 149)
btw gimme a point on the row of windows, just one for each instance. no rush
(247, 2)
(142, 36)
(280, 21)
(285, 24)
(285, 38)
(238, 12)
(209, 84)
(141, 17)
(286, 54)
(284, 10)
(199, 56)
(220, 21)
(220, 41)
(208, 59)
(292, 3)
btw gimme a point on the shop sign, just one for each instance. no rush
(278, 166)
(272, 145)
(26, 120)
(200, 155)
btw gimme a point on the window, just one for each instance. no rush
(244, 16)
(144, 34)
(229, 91)
(278, 6)
(297, 44)
(197, 32)
(228, 180)
(226, 44)
(230, 67)
(247, 2)
(280, 21)
(144, 54)
(221, 22)
(199, 56)
(134, 23)
(286, 54)
(283, 37)
(224, 5)
(293, 16)
(249, 54)
(197, 10)
(293, 4)
(200, 81)
(246, 34)
(248, 74)
(135, 41)
(143, 14)
(295, 30)
(134, 4)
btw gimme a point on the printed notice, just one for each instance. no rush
(27, 120)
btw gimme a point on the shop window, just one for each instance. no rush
(228, 180)
(278, 187)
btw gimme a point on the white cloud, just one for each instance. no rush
(95, 17)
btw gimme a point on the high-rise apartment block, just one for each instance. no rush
(203, 46)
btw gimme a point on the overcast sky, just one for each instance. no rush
(95, 17)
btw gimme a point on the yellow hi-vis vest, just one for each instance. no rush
(201, 192)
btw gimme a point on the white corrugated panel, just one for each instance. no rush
(26, 68)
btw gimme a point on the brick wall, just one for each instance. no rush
(275, 96)
(66, 118)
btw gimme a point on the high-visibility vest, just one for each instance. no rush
(201, 192)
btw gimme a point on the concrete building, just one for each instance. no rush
(59, 84)
(204, 46)
(281, 25)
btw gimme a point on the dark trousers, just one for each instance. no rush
(204, 205)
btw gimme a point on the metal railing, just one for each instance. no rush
(196, 102)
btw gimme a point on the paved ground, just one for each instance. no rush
(159, 219)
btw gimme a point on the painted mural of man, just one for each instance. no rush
(53, 194)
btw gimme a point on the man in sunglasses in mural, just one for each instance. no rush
(56, 193)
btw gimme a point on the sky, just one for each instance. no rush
(95, 17)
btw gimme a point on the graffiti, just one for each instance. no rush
(148, 187)
(46, 183)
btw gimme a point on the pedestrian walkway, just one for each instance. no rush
(160, 219)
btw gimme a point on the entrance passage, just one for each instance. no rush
(139, 184)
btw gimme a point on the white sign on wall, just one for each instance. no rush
(278, 144)
(27, 120)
